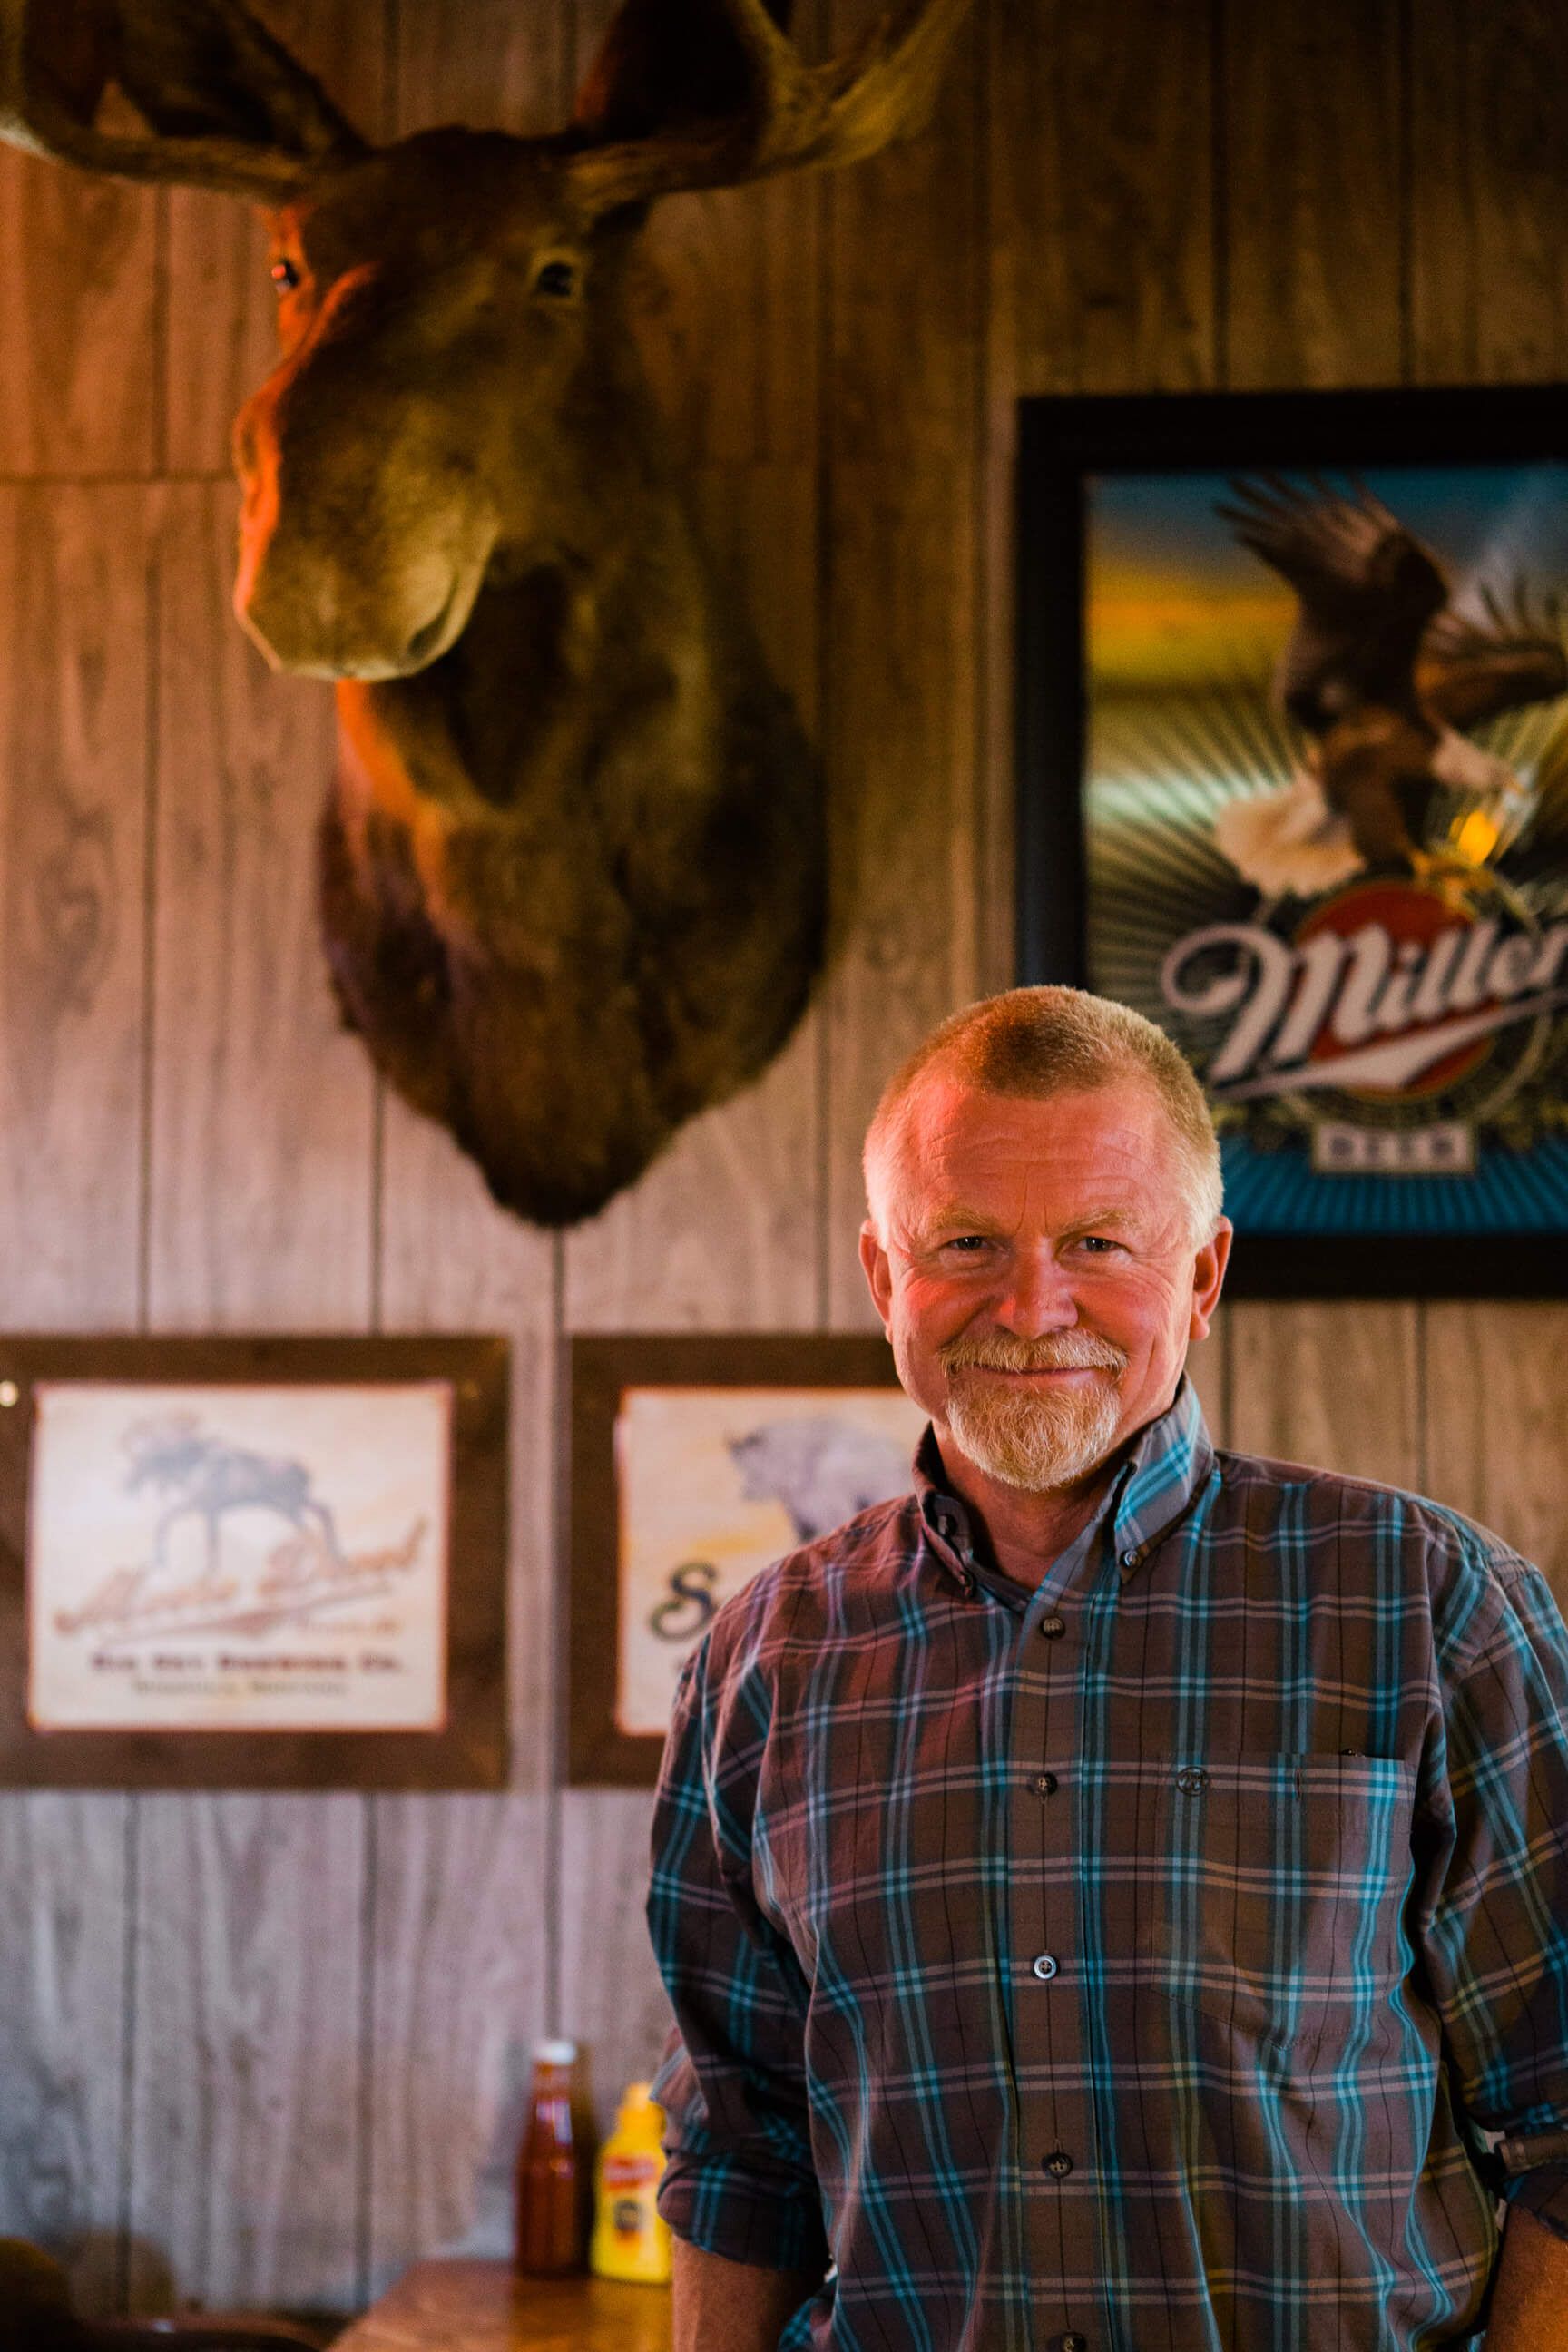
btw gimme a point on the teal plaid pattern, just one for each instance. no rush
(1175, 1960)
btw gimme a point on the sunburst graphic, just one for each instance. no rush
(1265, 767)
(1161, 769)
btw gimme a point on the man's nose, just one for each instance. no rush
(1038, 1296)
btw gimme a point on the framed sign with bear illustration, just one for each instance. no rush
(697, 1458)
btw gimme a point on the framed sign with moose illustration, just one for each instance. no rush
(265, 1562)
(1293, 781)
(696, 1459)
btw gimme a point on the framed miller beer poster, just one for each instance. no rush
(1293, 764)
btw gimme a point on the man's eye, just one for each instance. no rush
(1099, 1242)
(969, 1244)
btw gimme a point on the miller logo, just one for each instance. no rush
(1387, 992)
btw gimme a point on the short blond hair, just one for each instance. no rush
(1037, 1042)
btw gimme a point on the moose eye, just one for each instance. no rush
(285, 275)
(556, 278)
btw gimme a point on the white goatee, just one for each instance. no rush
(1037, 1441)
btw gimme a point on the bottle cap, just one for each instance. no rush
(555, 2054)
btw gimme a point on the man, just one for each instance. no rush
(1116, 1896)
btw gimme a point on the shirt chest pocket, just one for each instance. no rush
(1275, 1905)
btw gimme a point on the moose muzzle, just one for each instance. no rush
(363, 540)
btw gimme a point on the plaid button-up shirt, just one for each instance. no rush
(1149, 1967)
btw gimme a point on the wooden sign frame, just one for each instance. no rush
(469, 1750)
(598, 1370)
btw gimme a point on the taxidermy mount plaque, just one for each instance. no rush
(572, 865)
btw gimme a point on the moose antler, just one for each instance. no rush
(778, 114)
(227, 107)
(727, 100)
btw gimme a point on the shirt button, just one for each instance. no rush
(1128, 1559)
(1059, 2162)
(1052, 1628)
(1045, 1967)
(1072, 2342)
(1045, 1784)
(1191, 1780)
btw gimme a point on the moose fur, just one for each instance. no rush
(572, 869)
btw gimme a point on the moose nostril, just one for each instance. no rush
(424, 641)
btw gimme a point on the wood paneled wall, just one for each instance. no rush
(264, 2050)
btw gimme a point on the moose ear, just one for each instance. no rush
(226, 104)
(668, 63)
(711, 93)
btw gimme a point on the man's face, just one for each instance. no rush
(1036, 1275)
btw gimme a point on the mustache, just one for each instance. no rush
(1061, 1351)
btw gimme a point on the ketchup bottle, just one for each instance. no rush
(549, 2190)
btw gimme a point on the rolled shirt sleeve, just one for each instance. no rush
(740, 2179)
(1495, 1936)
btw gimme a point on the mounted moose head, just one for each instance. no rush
(573, 873)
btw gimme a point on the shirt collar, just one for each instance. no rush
(1158, 1482)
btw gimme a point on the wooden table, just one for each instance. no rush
(476, 2306)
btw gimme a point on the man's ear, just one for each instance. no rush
(1209, 1275)
(879, 1274)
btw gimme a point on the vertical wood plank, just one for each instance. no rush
(62, 2004)
(1337, 1386)
(612, 1998)
(1313, 251)
(74, 569)
(1489, 266)
(262, 1104)
(247, 2114)
(73, 728)
(902, 729)
(451, 1261)
(459, 1990)
(78, 285)
(249, 1956)
(460, 1929)
(486, 63)
(1496, 1423)
(219, 332)
(1102, 231)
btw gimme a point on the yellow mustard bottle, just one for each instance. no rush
(630, 2241)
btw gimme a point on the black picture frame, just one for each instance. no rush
(467, 1751)
(1066, 442)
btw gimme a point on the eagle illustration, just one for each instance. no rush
(1387, 678)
